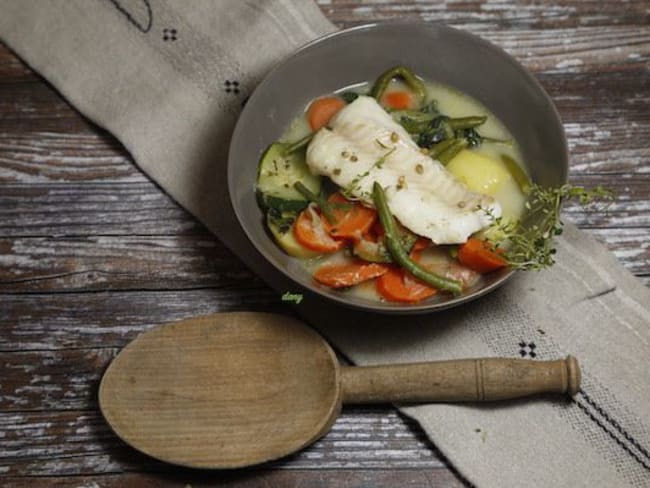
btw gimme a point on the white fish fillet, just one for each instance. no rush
(361, 148)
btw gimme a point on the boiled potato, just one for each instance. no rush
(480, 173)
(483, 174)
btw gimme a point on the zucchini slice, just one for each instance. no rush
(280, 225)
(278, 172)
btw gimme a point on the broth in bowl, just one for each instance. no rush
(394, 190)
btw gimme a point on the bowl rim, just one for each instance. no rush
(387, 307)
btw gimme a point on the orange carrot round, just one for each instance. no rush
(420, 244)
(322, 110)
(349, 274)
(399, 100)
(476, 254)
(309, 230)
(351, 219)
(397, 285)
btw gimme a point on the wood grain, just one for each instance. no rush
(261, 478)
(69, 320)
(68, 192)
(73, 442)
(498, 15)
(459, 380)
(223, 390)
(118, 263)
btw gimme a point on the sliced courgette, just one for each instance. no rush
(276, 176)
(280, 225)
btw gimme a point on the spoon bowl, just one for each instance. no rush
(206, 393)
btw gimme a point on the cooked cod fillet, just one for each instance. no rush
(363, 144)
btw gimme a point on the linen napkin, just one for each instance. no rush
(168, 78)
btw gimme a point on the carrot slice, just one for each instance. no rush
(397, 285)
(399, 100)
(477, 255)
(351, 219)
(322, 110)
(349, 274)
(309, 230)
(420, 244)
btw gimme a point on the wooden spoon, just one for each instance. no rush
(234, 389)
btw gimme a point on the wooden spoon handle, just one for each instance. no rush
(463, 380)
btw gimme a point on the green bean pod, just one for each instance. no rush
(397, 251)
(439, 148)
(467, 122)
(317, 199)
(449, 153)
(413, 82)
(413, 121)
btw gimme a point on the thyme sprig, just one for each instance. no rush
(528, 244)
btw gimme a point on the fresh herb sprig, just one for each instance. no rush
(528, 244)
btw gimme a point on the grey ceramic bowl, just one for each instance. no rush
(435, 52)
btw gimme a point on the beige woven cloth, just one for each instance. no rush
(160, 75)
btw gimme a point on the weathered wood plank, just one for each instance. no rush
(12, 69)
(112, 319)
(256, 478)
(73, 442)
(92, 209)
(493, 15)
(40, 157)
(66, 379)
(75, 209)
(119, 263)
(39, 107)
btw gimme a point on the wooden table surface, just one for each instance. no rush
(92, 253)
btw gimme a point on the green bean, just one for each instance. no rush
(317, 199)
(439, 148)
(299, 144)
(446, 126)
(467, 122)
(413, 82)
(449, 153)
(518, 173)
(413, 121)
(507, 142)
(414, 115)
(415, 124)
(396, 250)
